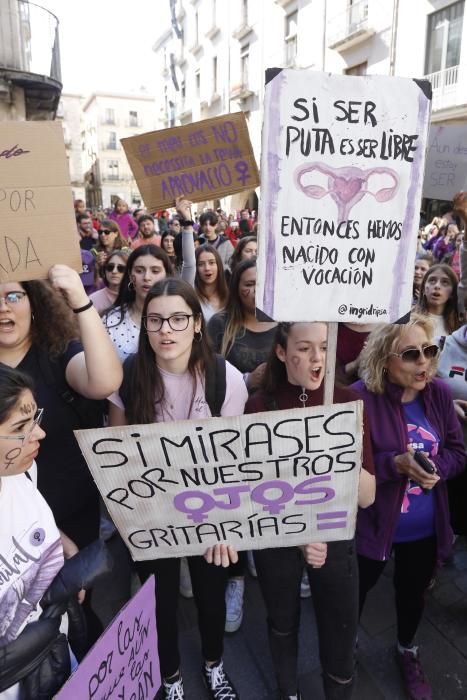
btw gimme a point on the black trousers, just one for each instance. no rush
(335, 599)
(209, 584)
(414, 566)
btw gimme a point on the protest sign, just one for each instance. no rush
(205, 160)
(272, 479)
(37, 222)
(446, 162)
(123, 664)
(341, 175)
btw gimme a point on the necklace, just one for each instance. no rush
(303, 397)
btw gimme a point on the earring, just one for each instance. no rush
(131, 286)
(32, 317)
(198, 336)
(385, 371)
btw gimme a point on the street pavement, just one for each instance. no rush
(442, 637)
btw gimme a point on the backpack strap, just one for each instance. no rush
(216, 386)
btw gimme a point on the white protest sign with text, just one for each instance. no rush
(341, 177)
(446, 162)
(37, 221)
(272, 479)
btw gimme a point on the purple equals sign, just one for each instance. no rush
(334, 520)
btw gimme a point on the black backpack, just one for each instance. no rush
(214, 390)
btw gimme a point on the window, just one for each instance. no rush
(197, 83)
(196, 28)
(112, 141)
(214, 74)
(134, 118)
(359, 69)
(291, 22)
(182, 93)
(113, 169)
(444, 38)
(244, 64)
(109, 116)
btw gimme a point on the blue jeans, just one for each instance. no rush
(334, 590)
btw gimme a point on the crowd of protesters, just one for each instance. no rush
(165, 302)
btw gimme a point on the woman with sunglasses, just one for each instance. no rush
(110, 239)
(412, 418)
(112, 275)
(165, 381)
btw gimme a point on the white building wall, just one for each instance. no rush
(70, 114)
(382, 37)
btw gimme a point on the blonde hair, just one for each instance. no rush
(381, 342)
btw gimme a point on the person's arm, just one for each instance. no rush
(462, 286)
(96, 372)
(132, 228)
(188, 272)
(451, 458)
(366, 489)
(116, 414)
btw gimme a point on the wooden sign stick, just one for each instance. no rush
(330, 373)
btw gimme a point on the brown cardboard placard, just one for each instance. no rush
(204, 160)
(37, 223)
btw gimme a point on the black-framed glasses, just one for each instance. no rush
(177, 322)
(111, 267)
(12, 298)
(429, 352)
(105, 231)
(26, 436)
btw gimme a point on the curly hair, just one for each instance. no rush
(53, 323)
(381, 342)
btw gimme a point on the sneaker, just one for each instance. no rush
(291, 697)
(218, 682)
(234, 604)
(173, 690)
(305, 590)
(185, 579)
(416, 685)
(251, 564)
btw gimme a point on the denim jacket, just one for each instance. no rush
(377, 524)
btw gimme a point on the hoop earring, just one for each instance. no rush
(130, 286)
(198, 336)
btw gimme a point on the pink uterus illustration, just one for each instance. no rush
(347, 186)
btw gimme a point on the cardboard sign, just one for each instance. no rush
(272, 479)
(446, 162)
(123, 664)
(341, 170)
(37, 222)
(204, 160)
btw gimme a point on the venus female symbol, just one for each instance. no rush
(347, 186)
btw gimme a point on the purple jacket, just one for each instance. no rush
(377, 524)
(128, 225)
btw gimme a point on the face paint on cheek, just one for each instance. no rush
(11, 456)
(295, 361)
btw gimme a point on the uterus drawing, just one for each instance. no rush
(347, 186)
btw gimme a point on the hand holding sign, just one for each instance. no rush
(67, 281)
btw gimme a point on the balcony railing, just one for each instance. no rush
(29, 40)
(447, 88)
(350, 26)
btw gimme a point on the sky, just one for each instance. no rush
(106, 45)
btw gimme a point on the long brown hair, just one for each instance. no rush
(145, 379)
(119, 241)
(234, 313)
(450, 314)
(222, 290)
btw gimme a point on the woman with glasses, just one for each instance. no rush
(112, 274)
(110, 239)
(40, 323)
(417, 445)
(165, 381)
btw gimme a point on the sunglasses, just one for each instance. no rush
(105, 231)
(111, 267)
(429, 352)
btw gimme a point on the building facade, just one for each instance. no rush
(107, 118)
(212, 58)
(70, 113)
(30, 75)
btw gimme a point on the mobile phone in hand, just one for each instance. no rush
(424, 463)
